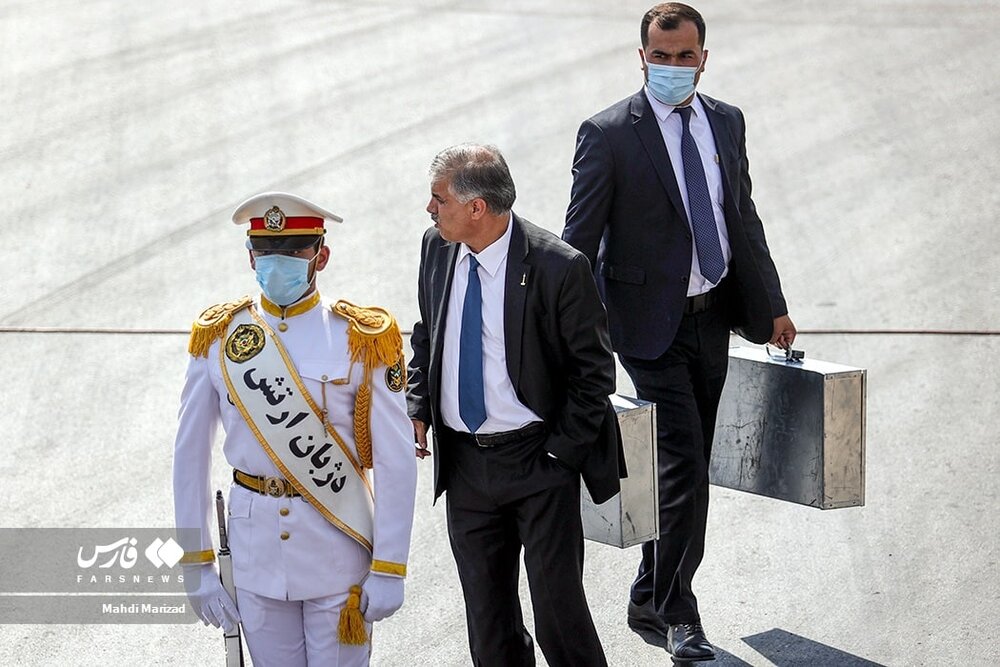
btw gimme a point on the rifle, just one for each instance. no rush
(234, 641)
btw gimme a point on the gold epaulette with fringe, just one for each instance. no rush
(212, 323)
(374, 339)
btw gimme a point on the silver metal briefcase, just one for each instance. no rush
(632, 516)
(791, 430)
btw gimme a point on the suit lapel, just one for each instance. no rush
(720, 121)
(515, 292)
(441, 279)
(646, 126)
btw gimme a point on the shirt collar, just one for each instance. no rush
(493, 255)
(662, 111)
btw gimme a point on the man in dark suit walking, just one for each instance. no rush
(661, 207)
(512, 367)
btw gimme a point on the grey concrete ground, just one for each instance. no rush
(130, 130)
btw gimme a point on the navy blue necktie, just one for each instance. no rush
(471, 400)
(706, 233)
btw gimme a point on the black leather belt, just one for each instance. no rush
(699, 303)
(497, 439)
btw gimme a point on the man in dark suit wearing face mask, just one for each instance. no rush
(661, 206)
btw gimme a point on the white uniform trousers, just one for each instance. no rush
(297, 633)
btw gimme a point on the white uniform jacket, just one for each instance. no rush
(281, 547)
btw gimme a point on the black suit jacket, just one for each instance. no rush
(627, 216)
(558, 351)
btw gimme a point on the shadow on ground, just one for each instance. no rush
(783, 648)
(786, 649)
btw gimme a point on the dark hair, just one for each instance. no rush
(669, 16)
(476, 170)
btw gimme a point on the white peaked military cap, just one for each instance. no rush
(282, 214)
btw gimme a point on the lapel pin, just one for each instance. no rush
(523, 278)
(716, 158)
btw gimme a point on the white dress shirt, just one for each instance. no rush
(504, 411)
(671, 127)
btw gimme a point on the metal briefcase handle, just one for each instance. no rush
(789, 355)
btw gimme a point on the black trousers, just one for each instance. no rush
(498, 500)
(686, 384)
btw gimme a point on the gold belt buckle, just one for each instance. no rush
(275, 486)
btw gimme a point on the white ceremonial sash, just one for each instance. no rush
(268, 391)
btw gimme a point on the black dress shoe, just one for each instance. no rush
(686, 642)
(643, 618)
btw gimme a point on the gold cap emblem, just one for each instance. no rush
(274, 219)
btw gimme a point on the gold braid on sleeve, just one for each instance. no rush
(362, 422)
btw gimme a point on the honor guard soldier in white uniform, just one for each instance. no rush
(311, 397)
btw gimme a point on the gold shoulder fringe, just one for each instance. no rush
(374, 339)
(212, 323)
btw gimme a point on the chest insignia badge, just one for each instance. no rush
(245, 343)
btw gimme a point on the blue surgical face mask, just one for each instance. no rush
(283, 279)
(669, 84)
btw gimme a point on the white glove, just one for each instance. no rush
(209, 599)
(381, 596)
